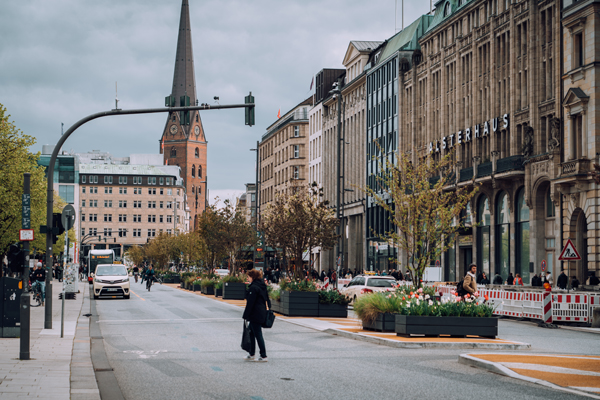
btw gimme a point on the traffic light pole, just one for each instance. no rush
(58, 146)
(25, 299)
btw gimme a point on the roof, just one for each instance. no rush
(365, 45)
(440, 6)
(184, 79)
(408, 38)
(111, 169)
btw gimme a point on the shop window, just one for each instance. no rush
(502, 236)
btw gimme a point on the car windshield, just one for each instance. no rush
(380, 282)
(111, 270)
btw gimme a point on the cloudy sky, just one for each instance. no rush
(60, 59)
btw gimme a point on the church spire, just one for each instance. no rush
(184, 80)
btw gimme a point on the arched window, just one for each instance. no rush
(522, 258)
(197, 117)
(447, 9)
(197, 153)
(199, 171)
(193, 170)
(173, 152)
(502, 236)
(193, 190)
(483, 234)
(550, 210)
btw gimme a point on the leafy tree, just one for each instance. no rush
(15, 160)
(298, 221)
(425, 216)
(238, 232)
(212, 228)
(135, 254)
(158, 250)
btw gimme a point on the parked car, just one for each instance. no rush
(362, 284)
(111, 280)
(222, 272)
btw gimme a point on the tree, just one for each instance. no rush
(299, 221)
(212, 229)
(238, 232)
(425, 215)
(158, 250)
(15, 160)
(135, 254)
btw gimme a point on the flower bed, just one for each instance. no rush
(406, 325)
(299, 304)
(234, 287)
(384, 322)
(333, 304)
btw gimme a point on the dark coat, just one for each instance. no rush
(256, 302)
(562, 281)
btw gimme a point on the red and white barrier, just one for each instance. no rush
(547, 317)
(570, 307)
(533, 305)
(594, 303)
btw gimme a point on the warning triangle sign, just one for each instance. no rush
(569, 253)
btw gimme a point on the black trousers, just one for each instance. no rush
(257, 336)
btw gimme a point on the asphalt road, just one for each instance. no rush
(170, 344)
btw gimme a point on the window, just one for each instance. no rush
(137, 180)
(82, 203)
(107, 231)
(83, 179)
(160, 218)
(151, 191)
(296, 131)
(122, 217)
(199, 171)
(151, 204)
(122, 203)
(94, 178)
(67, 193)
(122, 190)
(137, 218)
(578, 50)
(296, 151)
(107, 189)
(193, 171)
(137, 233)
(197, 153)
(502, 236)
(169, 205)
(108, 179)
(108, 203)
(94, 189)
(122, 180)
(169, 192)
(193, 189)
(151, 218)
(168, 231)
(83, 217)
(447, 9)
(161, 204)
(162, 180)
(522, 256)
(122, 232)
(483, 234)
(151, 232)
(93, 231)
(169, 218)
(83, 189)
(173, 152)
(137, 204)
(296, 172)
(162, 191)
(107, 217)
(82, 232)
(253, 197)
(550, 210)
(152, 181)
(93, 217)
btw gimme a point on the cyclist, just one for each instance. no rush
(38, 277)
(136, 272)
(150, 277)
(144, 272)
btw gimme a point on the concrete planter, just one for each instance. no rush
(383, 323)
(455, 326)
(333, 310)
(234, 291)
(300, 304)
(208, 290)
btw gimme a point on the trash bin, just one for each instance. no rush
(10, 313)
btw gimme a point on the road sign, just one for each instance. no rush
(569, 253)
(543, 265)
(26, 212)
(68, 217)
(437, 263)
(25, 235)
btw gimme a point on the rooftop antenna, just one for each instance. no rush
(116, 97)
(402, 14)
(62, 125)
(430, 7)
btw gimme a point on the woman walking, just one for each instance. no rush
(255, 313)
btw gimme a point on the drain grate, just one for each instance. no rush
(287, 379)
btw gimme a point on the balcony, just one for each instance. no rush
(574, 172)
(512, 163)
(575, 167)
(484, 169)
(466, 174)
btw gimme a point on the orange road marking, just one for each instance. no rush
(137, 295)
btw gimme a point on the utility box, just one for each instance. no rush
(71, 278)
(10, 302)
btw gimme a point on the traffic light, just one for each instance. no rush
(57, 227)
(184, 101)
(170, 101)
(16, 258)
(249, 110)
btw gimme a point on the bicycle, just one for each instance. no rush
(37, 296)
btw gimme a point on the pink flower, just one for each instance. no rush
(420, 290)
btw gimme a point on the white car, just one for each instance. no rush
(222, 272)
(111, 280)
(363, 284)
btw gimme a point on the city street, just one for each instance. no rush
(169, 343)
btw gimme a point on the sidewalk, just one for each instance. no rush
(352, 328)
(570, 373)
(59, 368)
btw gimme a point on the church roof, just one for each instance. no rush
(184, 80)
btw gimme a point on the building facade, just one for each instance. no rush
(183, 142)
(283, 154)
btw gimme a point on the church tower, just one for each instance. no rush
(183, 142)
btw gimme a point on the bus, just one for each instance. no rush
(96, 257)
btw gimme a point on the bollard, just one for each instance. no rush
(62, 316)
(547, 308)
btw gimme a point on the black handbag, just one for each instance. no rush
(246, 343)
(269, 320)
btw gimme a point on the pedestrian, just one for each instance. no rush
(511, 279)
(497, 279)
(407, 276)
(575, 283)
(549, 279)
(38, 278)
(518, 280)
(136, 273)
(484, 279)
(470, 280)
(593, 279)
(323, 276)
(255, 313)
(536, 281)
(563, 280)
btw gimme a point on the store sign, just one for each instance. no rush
(469, 134)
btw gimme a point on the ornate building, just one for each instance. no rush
(183, 142)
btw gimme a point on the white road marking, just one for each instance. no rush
(145, 354)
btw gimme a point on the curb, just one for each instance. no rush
(427, 345)
(497, 368)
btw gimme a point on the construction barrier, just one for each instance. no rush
(533, 305)
(594, 303)
(570, 307)
(547, 317)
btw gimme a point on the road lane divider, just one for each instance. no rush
(137, 295)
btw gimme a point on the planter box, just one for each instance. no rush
(234, 291)
(454, 326)
(182, 285)
(176, 279)
(333, 310)
(168, 280)
(276, 306)
(383, 323)
(219, 292)
(300, 304)
(208, 290)
(196, 288)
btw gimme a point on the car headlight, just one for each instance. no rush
(124, 280)
(97, 280)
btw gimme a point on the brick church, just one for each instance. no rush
(183, 142)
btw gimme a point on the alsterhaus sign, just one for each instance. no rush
(469, 134)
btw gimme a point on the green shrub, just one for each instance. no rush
(304, 285)
(206, 282)
(275, 294)
(333, 297)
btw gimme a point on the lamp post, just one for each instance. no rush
(337, 92)
(256, 201)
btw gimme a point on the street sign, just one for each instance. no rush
(569, 253)
(25, 235)
(68, 217)
(543, 265)
(437, 263)
(26, 212)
